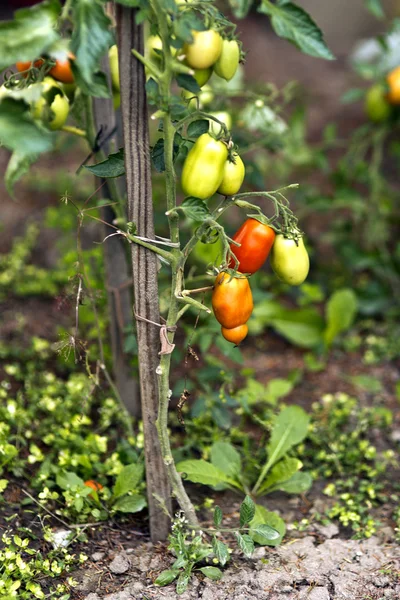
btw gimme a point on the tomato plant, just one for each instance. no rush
(185, 43)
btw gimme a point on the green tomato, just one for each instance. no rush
(202, 75)
(53, 107)
(205, 49)
(233, 176)
(289, 260)
(228, 61)
(222, 116)
(114, 67)
(377, 106)
(203, 169)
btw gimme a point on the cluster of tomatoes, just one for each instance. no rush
(58, 88)
(232, 300)
(52, 108)
(383, 98)
(211, 167)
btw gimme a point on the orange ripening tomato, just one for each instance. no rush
(62, 69)
(256, 240)
(232, 300)
(95, 485)
(393, 82)
(235, 335)
(24, 66)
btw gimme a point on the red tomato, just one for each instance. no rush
(256, 241)
(62, 70)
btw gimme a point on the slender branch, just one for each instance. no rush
(207, 288)
(74, 130)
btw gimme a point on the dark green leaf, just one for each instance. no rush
(197, 128)
(157, 153)
(247, 510)
(295, 24)
(152, 91)
(375, 7)
(246, 543)
(30, 34)
(212, 573)
(186, 23)
(166, 577)
(130, 504)
(188, 82)
(91, 39)
(220, 550)
(113, 166)
(157, 156)
(217, 516)
(195, 208)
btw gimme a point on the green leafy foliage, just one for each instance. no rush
(112, 166)
(30, 34)
(294, 24)
(91, 39)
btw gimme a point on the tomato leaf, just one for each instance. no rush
(291, 22)
(188, 83)
(246, 544)
(195, 208)
(157, 153)
(91, 39)
(247, 511)
(265, 517)
(112, 166)
(18, 130)
(30, 34)
(197, 128)
(221, 551)
(217, 516)
(340, 313)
